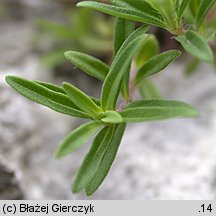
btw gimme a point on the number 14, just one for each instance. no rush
(206, 208)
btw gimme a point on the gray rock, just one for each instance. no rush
(18, 27)
(9, 185)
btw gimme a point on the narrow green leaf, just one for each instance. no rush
(148, 90)
(83, 101)
(193, 9)
(119, 67)
(177, 4)
(151, 110)
(196, 45)
(126, 83)
(96, 101)
(93, 158)
(51, 87)
(140, 5)
(139, 31)
(121, 3)
(112, 117)
(156, 102)
(123, 28)
(152, 45)
(156, 64)
(181, 8)
(42, 95)
(59, 89)
(125, 88)
(77, 138)
(204, 7)
(125, 13)
(106, 161)
(88, 64)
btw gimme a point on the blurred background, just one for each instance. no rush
(162, 160)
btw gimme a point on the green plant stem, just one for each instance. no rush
(125, 102)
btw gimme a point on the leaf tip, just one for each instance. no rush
(58, 154)
(88, 192)
(66, 85)
(8, 78)
(69, 54)
(195, 113)
(112, 117)
(12, 80)
(178, 53)
(80, 4)
(74, 189)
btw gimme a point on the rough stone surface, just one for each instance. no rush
(9, 185)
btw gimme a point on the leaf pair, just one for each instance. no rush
(83, 101)
(47, 95)
(98, 161)
(67, 100)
